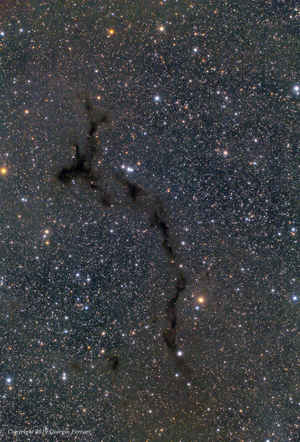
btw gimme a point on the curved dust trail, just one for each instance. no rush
(141, 200)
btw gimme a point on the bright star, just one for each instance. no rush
(296, 90)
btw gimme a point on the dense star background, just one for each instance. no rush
(205, 102)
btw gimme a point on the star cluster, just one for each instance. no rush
(195, 169)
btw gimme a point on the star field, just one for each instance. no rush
(149, 266)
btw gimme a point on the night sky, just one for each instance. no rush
(149, 264)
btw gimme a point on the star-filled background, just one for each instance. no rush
(204, 99)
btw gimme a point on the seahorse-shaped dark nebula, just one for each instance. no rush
(139, 199)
